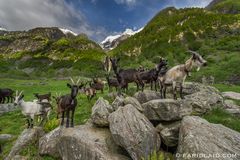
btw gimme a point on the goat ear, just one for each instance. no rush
(21, 97)
(69, 85)
(80, 86)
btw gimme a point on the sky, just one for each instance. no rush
(95, 18)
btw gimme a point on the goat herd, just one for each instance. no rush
(66, 104)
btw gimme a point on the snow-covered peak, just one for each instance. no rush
(3, 29)
(66, 31)
(128, 32)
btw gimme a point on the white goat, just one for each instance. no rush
(30, 109)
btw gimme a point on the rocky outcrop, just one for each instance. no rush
(118, 102)
(4, 108)
(100, 112)
(134, 132)
(231, 107)
(82, 143)
(231, 95)
(48, 143)
(197, 136)
(166, 109)
(204, 101)
(192, 87)
(134, 102)
(169, 133)
(27, 137)
(146, 95)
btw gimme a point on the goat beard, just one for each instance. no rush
(198, 68)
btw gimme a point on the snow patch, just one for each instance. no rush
(66, 31)
(3, 29)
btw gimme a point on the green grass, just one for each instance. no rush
(219, 116)
(14, 122)
(225, 87)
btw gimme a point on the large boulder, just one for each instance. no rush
(197, 136)
(48, 143)
(166, 109)
(27, 137)
(169, 133)
(118, 102)
(204, 101)
(192, 87)
(146, 96)
(85, 142)
(4, 108)
(134, 132)
(231, 95)
(100, 112)
(133, 101)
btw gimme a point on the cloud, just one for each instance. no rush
(190, 3)
(126, 2)
(27, 14)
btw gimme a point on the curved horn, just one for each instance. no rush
(20, 93)
(16, 93)
(78, 81)
(72, 80)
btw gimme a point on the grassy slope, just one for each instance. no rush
(228, 5)
(216, 36)
(14, 122)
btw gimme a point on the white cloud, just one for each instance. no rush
(27, 14)
(190, 3)
(126, 2)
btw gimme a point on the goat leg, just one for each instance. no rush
(28, 123)
(164, 91)
(155, 85)
(67, 122)
(62, 122)
(181, 91)
(72, 118)
(31, 121)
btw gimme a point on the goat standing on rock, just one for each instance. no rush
(177, 75)
(67, 103)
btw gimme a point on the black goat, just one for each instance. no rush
(6, 93)
(41, 97)
(125, 76)
(112, 82)
(67, 103)
(151, 76)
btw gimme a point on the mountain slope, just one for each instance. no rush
(171, 32)
(225, 6)
(58, 52)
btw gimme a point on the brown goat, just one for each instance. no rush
(41, 97)
(68, 102)
(97, 84)
(125, 76)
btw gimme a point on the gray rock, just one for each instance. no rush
(27, 137)
(233, 111)
(231, 95)
(166, 109)
(134, 102)
(169, 133)
(230, 104)
(48, 143)
(100, 112)
(192, 87)
(5, 137)
(197, 136)
(146, 96)
(204, 101)
(134, 132)
(86, 142)
(4, 108)
(118, 102)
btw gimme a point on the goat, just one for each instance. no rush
(6, 93)
(89, 92)
(43, 96)
(97, 84)
(178, 74)
(31, 109)
(107, 65)
(68, 102)
(151, 76)
(57, 99)
(112, 82)
(125, 76)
